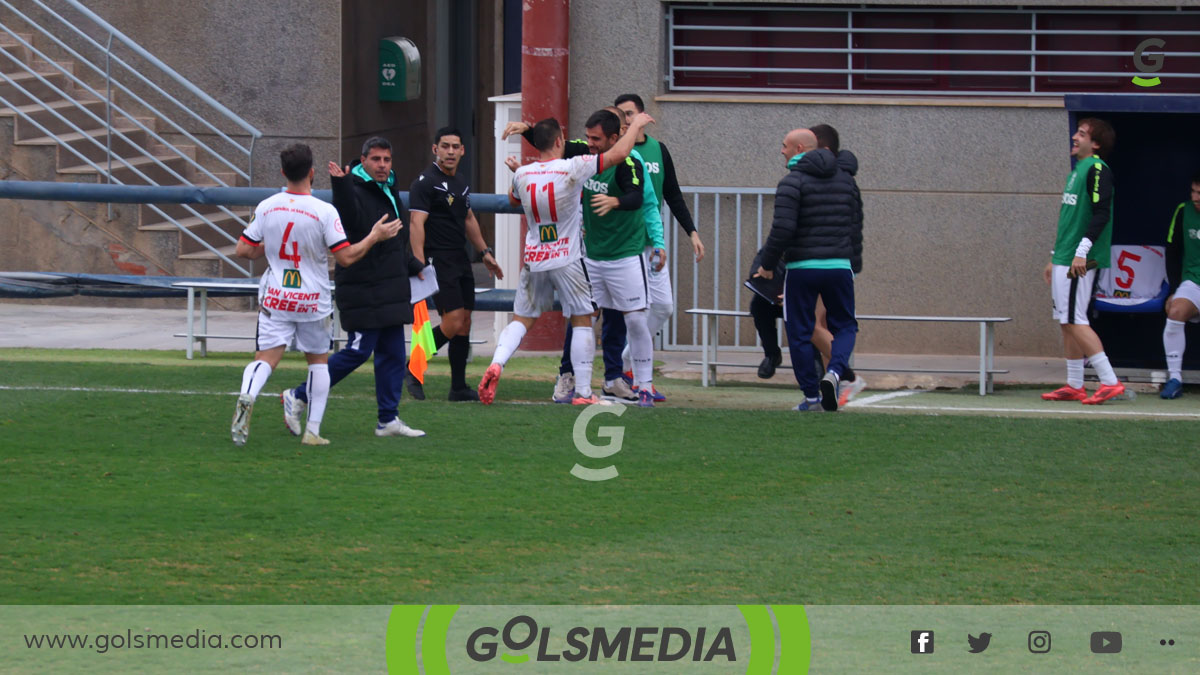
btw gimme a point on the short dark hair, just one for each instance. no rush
(1102, 134)
(544, 133)
(296, 160)
(632, 98)
(446, 131)
(375, 142)
(609, 123)
(827, 137)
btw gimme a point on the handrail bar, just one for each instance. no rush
(110, 128)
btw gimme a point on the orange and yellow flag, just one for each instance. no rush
(422, 342)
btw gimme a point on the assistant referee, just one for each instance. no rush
(442, 224)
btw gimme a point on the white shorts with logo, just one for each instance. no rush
(310, 337)
(620, 284)
(660, 282)
(535, 291)
(1071, 296)
(1189, 291)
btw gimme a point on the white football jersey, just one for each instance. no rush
(550, 193)
(298, 231)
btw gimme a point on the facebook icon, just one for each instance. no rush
(922, 642)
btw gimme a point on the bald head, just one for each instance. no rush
(798, 141)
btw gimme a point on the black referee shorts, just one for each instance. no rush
(456, 281)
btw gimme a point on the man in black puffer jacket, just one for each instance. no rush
(373, 295)
(817, 205)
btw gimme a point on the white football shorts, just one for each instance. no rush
(1189, 291)
(1071, 296)
(620, 284)
(535, 291)
(310, 337)
(661, 292)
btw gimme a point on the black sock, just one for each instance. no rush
(439, 338)
(848, 376)
(459, 346)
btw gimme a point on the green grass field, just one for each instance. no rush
(116, 496)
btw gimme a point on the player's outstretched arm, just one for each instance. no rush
(621, 150)
(249, 251)
(383, 229)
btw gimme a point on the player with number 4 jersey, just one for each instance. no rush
(549, 190)
(296, 233)
(295, 286)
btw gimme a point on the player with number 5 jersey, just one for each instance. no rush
(549, 190)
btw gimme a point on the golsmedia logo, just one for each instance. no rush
(446, 639)
(627, 643)
(1148, 64)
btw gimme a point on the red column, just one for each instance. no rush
(545, 34)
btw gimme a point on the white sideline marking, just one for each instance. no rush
(1097, 410)
(122, 390)
(875, 398)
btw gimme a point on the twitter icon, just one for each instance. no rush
(978, 644)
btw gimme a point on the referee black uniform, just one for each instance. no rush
(447, 201)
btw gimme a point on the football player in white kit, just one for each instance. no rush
(550, 190)
(296, 232)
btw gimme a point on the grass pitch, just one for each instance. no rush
(120, 486)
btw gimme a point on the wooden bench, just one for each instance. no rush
(494, 300)
(709, 360)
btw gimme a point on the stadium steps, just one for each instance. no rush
(137, 227)
(11, 46)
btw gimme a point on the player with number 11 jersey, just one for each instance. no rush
(550, 193)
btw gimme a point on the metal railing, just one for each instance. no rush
(1026, 55)
(723, 216)
(119, 122)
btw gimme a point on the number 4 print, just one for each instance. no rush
(283, 254)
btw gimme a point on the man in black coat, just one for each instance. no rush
(373, 295)
(816, 207)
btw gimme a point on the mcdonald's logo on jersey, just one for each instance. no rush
(291, 279)
(548, 233)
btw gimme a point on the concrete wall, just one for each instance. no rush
(961, 198)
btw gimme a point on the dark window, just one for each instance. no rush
(911, 50)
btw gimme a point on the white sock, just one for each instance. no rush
(1075, 373)
(583, 353)
(510, 339)
(1103, 368)
(1174, 342)
(318, 395)
(640, 348)
(659, 313)
(254, 377)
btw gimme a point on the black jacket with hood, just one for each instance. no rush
(816, 207)
(373, 293)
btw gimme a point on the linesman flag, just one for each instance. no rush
(422, 342)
